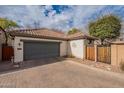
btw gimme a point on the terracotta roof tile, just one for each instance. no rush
(48, 33)
(80, 35)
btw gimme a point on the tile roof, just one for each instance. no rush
(48, 34)
(80, 35)
(117, 42)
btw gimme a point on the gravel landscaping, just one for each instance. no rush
(100, 65)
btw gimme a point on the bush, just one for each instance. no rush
(107, 27)
(122, 66)
(71, 56)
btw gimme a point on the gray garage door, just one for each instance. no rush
(39, 50)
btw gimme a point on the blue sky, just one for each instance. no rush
(58, 16)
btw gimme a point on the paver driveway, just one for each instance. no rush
(62, 74)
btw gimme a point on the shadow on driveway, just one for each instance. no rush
(6, 67)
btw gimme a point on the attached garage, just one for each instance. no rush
(38, 50)
(32, 44)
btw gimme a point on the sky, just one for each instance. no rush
(61, 17)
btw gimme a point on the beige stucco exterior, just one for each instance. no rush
(76, 48)
(117, 54)
(18, 54)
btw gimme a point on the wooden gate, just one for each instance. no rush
(7, 53)
(90, 52)
(104, 54)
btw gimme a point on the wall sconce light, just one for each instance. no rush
(19, 44)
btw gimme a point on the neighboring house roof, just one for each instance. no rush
(117, 42)
(48, 34)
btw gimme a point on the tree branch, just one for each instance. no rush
(6, 41)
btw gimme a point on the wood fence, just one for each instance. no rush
(104, 54)
(100, 53)
(7, 53)
(90, 52)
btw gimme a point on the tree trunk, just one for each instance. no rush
(102, 41)
(5, 34)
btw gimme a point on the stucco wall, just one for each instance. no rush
(63, 48)
(18, 54)
(76, 48)
(117, 54)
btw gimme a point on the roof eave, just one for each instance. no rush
(37, 36)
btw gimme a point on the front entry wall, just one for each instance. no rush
(76, 48)
(18, 47)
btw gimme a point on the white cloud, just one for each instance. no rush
(28, 15)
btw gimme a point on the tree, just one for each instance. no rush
(5, 25)
(107, 27)
(73, 30)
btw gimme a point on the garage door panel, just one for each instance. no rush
(38, 50)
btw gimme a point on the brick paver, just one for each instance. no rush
(61, 74)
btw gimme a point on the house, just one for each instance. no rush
(30, 44)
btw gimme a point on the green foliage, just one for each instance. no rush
(73, 31)
(108, 27)
(71, 56)
(6, 24)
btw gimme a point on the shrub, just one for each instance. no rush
(71, 56)
(105, 28)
